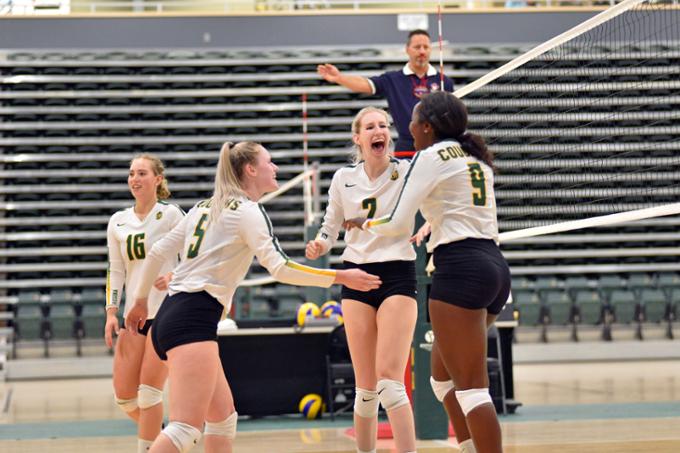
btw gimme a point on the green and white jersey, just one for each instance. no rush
(454, 192)
(129, 241)
(216, 255)
(352, 194)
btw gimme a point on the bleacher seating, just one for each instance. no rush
(71, 120)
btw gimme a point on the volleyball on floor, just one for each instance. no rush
(305, 310)
(332, 309)
(311, 406)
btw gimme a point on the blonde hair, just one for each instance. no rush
(229, 173)
(356, 128)
(162, 190)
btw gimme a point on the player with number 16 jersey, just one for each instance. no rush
(130, 239)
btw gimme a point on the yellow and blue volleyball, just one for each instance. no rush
(331, 308)
(311, 406)
(305, 310)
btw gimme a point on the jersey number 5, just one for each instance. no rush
(199, 233)
(371, 204)
(135, 247)
(478, 184)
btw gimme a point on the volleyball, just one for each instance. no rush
(305, 310)
(311, 406)
(331, 308)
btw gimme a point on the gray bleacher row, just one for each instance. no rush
(70, 121)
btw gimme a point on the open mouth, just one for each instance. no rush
(378, 146)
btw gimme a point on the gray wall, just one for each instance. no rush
(266, 31)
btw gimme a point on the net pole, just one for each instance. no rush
(307, 183)
(441, 45)
(548, 45)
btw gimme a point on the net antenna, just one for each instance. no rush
(586, 126)
(441, 45)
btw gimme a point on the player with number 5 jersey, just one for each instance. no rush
(217, 241)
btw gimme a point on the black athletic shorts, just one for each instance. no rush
(398, 278)
(145, 328)
(471, 273)
(185, 318)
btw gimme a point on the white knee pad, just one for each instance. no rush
(366, 403)
(392, 394)
(148, 396)
(143, 445)
(226, 427)
(467, 446)
(441, 388)
(127, 405)
(182, 435)
(471, 398)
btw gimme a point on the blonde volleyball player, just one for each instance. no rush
(379, 323)
(451, 181)
(217, 241)
(138, 373)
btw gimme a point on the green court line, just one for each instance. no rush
(79, 428)
(102, 428)
(594, 411)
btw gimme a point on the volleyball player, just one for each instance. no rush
(217, 241)
(379, 323)
(138, 373)
(451, 181)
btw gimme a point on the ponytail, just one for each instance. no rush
(229, 173)
(475, 145)
(162, 191)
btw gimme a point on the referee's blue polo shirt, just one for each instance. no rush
(403, 89)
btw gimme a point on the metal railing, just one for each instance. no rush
(36, 7)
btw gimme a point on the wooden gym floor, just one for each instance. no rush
(594, 407)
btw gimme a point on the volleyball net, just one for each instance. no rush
(586, 124)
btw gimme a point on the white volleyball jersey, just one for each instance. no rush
(129, 241)
(454, 192)
(353, 195)
(216, 256)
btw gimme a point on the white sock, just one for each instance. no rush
(361, 451)
(143, 445)
(467, 446)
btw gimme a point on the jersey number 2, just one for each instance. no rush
(478, 184)
(199, 233)
(135, 247)
(371, 204)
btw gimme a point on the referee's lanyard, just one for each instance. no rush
(420, 87)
